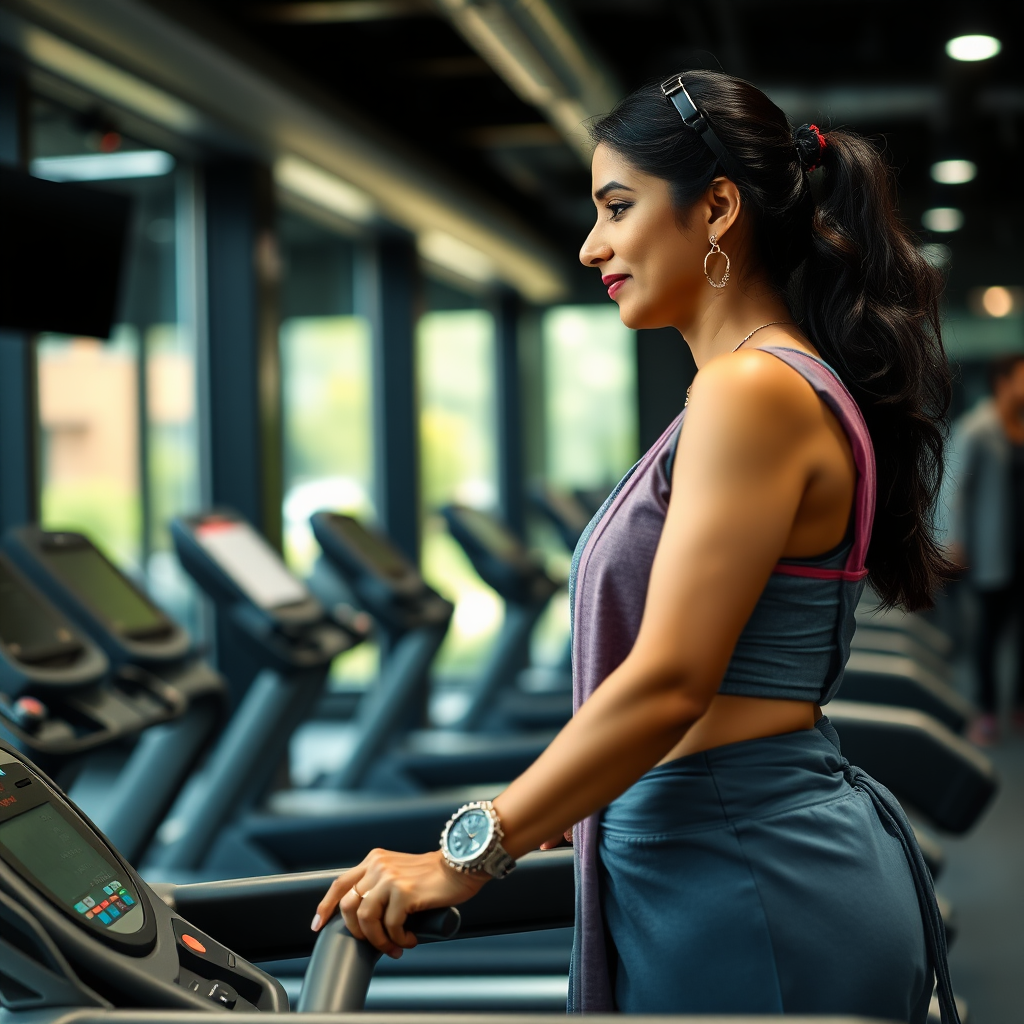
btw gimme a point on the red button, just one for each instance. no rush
(193, 944)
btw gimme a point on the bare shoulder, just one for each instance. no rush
(753, 386)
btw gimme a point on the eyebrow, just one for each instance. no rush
(610, 187)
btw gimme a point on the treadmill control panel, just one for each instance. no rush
(250, 561)
(45, 844)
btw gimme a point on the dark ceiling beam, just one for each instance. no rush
(142, 59)
(327, 12)
(882, 103)
(542, 57)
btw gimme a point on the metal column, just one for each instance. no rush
(387, 290)
(19, 493)
(243, 379)
(511, 489)
(664, 370)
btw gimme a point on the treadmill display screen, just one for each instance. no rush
(492, 535)
(381, 555)
(47, 847)
(254, 566)
(96, 582)
(29, 628)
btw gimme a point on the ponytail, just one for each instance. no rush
(855, 280)
(870, 302)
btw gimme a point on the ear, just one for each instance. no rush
(723, 206)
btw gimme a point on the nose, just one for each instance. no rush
(595, 251)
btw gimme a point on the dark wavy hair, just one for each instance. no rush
(854, 279)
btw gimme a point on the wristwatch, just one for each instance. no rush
(471, 841)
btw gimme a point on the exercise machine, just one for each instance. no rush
(414, 619)
(504, 563)
(122, 721)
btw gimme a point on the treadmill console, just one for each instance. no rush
(63, 885)
(234, 564)
(80, 579)
(499, 556)
(46, 843)
(365, 550)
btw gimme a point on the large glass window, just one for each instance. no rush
(456, 365)
(590, 397)
(326, 375)
(118, 418)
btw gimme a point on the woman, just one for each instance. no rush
(728, 859)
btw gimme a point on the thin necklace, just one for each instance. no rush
(774, 323)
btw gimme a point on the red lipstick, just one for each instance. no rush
(613, 282)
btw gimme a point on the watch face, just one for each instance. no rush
(469, 835)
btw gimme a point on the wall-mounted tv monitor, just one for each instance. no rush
(61, 250)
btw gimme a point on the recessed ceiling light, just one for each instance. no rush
(973, 47)
(997, 301)
(943, 218)
(954, 172)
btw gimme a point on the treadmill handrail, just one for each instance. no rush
(267, 918)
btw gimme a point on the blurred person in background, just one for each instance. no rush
(985, 507)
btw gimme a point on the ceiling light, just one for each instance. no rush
(453, 254)
(937, 255)
(973, 47)
(324, 189)
(943, 218)
(954, 172)
(997, 301)
(139, 163)
(108, 81)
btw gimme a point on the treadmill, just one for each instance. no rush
(238, 815)
(414, 619)
(506, 565)
(122, 728)
(82, 933)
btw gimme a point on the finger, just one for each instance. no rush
(370, 915)
(395, 913)
(349, 907)
(326, 907)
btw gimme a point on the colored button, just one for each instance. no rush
(120, 904)
(89, 914)
(114, 912)
(115, 885)
(194, 944)
(107, 889)
(129, 900)
(104, 917)
(89, 901)
(104, 904)
(121, 892)
(81, 908)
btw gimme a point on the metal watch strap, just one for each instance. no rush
(498, 863)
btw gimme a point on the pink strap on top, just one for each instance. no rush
(833, 392)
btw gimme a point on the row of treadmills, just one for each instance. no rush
(184, 772)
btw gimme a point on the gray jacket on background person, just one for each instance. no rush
(976, 508)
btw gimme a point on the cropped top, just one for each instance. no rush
(796, 642)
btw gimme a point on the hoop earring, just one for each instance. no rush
(714, 251)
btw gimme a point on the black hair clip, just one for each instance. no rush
(675, 92)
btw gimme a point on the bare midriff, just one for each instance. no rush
(735, 719)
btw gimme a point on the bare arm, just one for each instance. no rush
(743, 464)
(749, 451)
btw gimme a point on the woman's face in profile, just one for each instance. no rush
(649, 258)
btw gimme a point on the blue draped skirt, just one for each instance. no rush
(763, 877)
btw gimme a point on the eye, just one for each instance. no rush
(618, 208)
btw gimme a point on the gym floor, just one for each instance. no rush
(984, 880)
